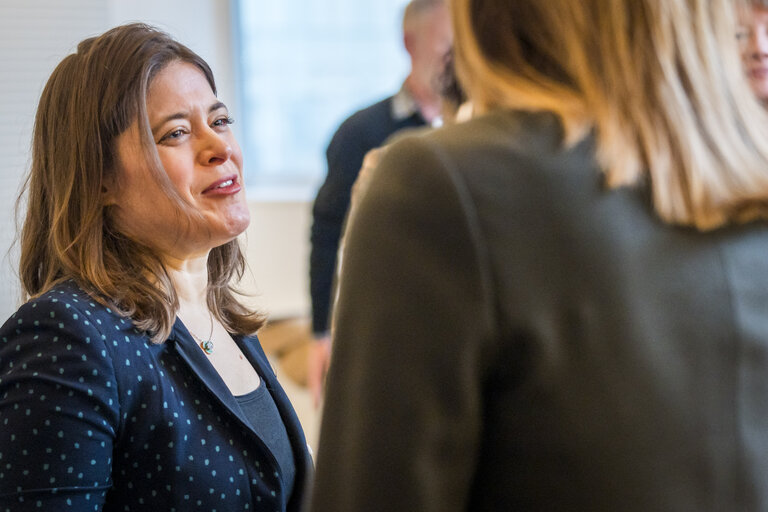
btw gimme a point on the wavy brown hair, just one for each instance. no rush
(91, 98)
(659, 83)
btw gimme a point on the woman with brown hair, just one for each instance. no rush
(567, 308)
(132, 378)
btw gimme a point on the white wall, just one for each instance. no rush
(36, 34)
(277, 248)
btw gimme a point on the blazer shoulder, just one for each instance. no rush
(66, 307)
(520, 132)
(512, 147)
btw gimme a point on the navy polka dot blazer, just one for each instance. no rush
(94, 417)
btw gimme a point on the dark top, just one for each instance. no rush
(260, 410)
(529, 340)
(361, 132)
(95, 417)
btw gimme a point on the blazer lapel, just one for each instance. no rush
(198, 363)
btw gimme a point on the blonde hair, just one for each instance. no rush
(91, 98)
(659, 82)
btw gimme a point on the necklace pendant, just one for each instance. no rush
(207, 346)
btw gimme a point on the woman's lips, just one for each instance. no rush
(223, 187)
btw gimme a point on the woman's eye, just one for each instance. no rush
(223, 121)
(175, 134)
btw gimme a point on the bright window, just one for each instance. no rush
(305, 66)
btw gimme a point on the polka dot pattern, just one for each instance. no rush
(93, 417)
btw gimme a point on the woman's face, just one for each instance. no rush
(753, 40)
(202, 159)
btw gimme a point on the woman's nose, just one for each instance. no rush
(215, 149)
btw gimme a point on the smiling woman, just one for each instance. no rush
(133, 368)
(202, 163)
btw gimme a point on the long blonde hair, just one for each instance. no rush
(659, 82)
(91, 98)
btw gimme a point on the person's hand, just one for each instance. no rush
(371, 160)
(319, 358)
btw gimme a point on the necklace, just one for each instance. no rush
(206, 345)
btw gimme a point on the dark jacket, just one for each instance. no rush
(95, 417)
(511, 335)
(362, 131)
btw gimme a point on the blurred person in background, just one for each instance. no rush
(427, 37)
(560, 304)
(132, 378)
(753, 39)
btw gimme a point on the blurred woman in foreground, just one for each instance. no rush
(561, 303)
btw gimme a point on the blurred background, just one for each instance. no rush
(290, 72)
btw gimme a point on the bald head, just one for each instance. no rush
(416, 10)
